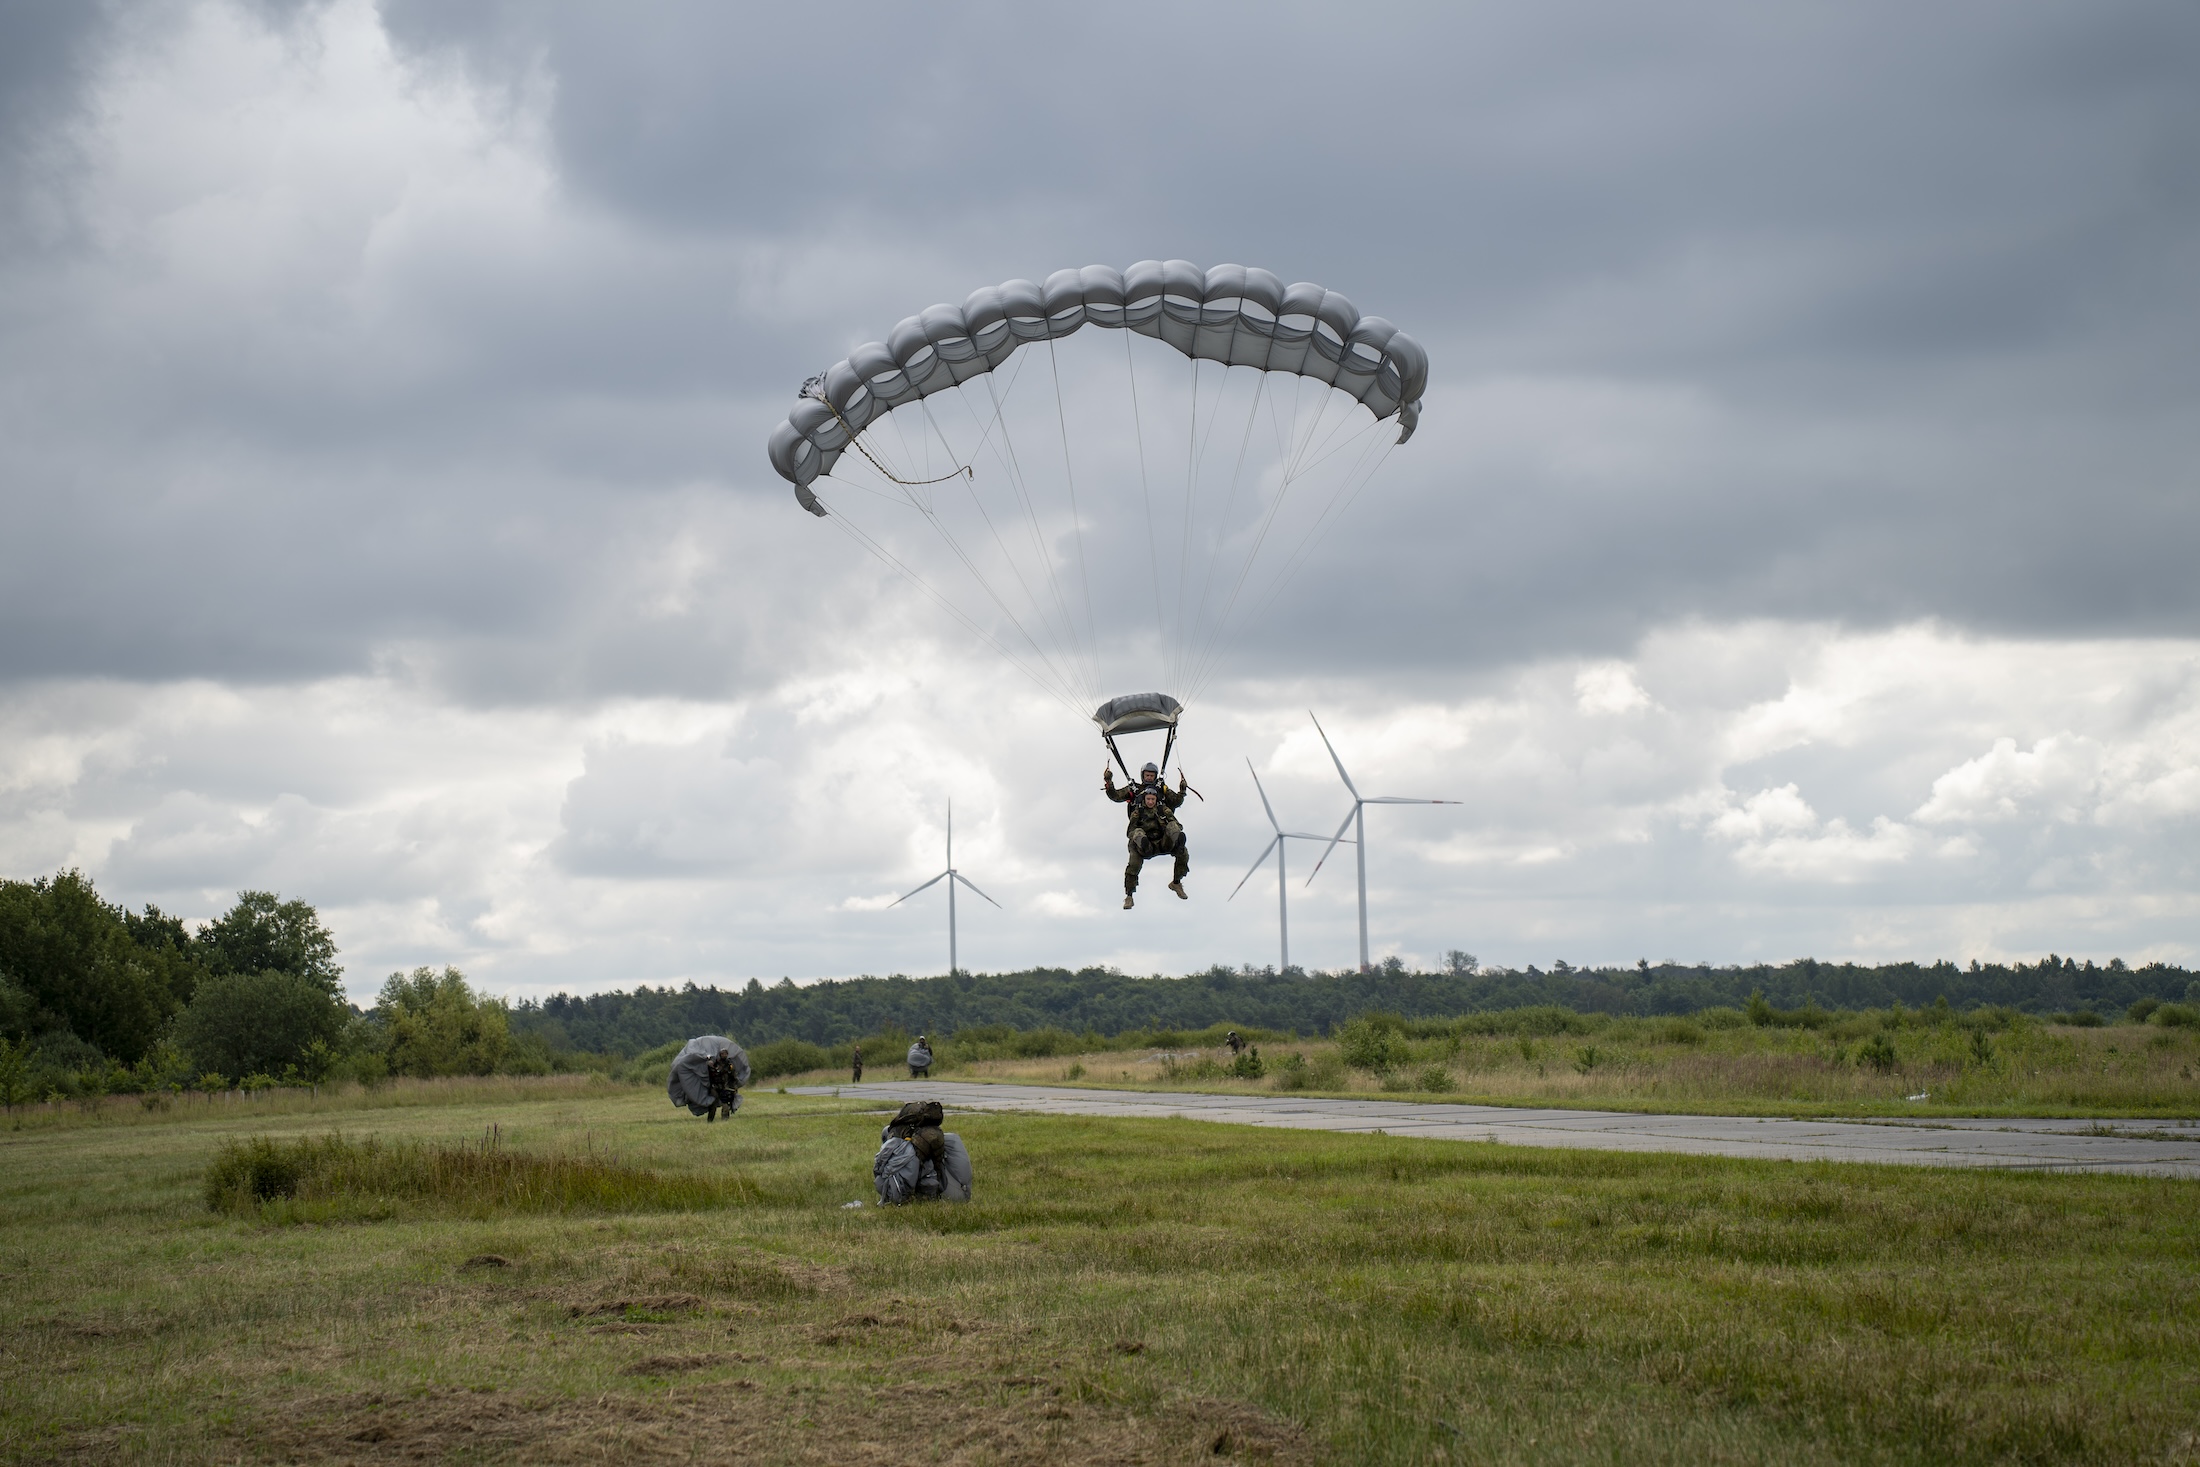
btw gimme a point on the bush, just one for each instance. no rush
(1722, 1018)
(242, 1023)
(335, 1176)
(437, 1025)
(2177, 1016)
(1292, 1072)
(1434, 1079)
(1587, 1058)
(1678, 1031)
(786, 1057)
(1878, 1052)
(1247, 1066)
(2141, 1008)
(2081, 1019)
(1366, 1043)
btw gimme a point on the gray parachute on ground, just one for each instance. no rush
(900, 1175)
(1232, 314)
(689, 1084)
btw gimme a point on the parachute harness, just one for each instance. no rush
(815, 387)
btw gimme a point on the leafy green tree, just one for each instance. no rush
(240, 1024)
(15, 1072)
(72, 954)
(263, 933)
(437, 1025)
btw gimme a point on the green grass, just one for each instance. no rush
(1971, 1065)
(1120, 1290)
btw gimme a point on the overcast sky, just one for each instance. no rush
(1796, 556)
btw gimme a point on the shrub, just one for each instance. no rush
(2141, 1008)
(335, 1176)
(1587, 1058)
(786, 1057)
(1679, 1031)
(1982, 1048)
(1074, 1072)
(1878, 1052)
(1247, 1066)
(1434, 1079)
(2081, 1019)
(1722, 1018)
(247, 1173)
(2177, 1016)
(1292, 1072)
(1365, 1043)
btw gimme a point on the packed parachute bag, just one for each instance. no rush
(917, 1161)
(707, 1076)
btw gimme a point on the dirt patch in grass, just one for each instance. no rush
(741, 1420)
(652, 1304)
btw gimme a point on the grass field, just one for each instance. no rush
(1968, 1065)
(1119, 1291)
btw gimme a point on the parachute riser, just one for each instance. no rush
(1170, 743)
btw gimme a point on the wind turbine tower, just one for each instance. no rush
(951, 876)
(1358, 820)
(1283, 912)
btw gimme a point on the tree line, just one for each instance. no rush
(96, 999)
(1104, 1001)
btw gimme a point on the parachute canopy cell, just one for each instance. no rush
(1233, 314)
(1137, 713)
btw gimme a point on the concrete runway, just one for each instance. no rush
(2147, 1148)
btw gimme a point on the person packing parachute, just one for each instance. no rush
(1154, 829)
(1182, 474)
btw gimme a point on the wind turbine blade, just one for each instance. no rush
(1257, 860)
(1332, 844)
(1305, 835)
(1348, 784)
(966, 881)
(935, 881)
(1249, 769)
(1404, 800)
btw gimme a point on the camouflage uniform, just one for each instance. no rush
(1152, 832)
(725, 1085)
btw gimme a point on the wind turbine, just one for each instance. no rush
(1358, 818)
(1283, 914)
(950, 876)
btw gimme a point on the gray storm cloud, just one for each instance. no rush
(383, 385)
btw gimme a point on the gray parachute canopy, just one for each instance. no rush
(1233, 314)
(689, 1084)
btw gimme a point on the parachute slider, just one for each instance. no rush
(1138, 713)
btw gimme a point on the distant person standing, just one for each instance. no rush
(858, 1077)
(920, 1059)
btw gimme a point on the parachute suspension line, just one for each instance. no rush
(1222, 526)
(1145, 490)
(1004, 453)
(1073, 637)
(994, 531)
(1184, 548)
(947, 537)
(1260, 538)
(1076, 522)
(857, 534)
(815, 387)
(1348, 490)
